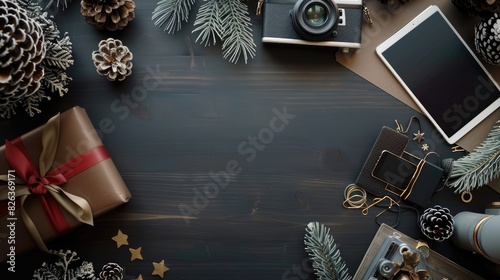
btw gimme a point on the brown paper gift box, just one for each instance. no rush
(101, 185)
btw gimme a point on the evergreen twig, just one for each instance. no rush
(209, 22)
(237, 34)
(172, 13)
(479, 167)
(327, 262)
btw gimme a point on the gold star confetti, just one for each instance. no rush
(160, 268)
(425, 147)
(135, 254)
(419, 136)
(120, 239)
(139, 277)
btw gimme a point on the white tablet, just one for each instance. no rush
(441, 73)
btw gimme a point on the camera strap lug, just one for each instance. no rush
(259, 7)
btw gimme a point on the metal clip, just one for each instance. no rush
(377, 201)
(259, 7)
(456, 149)
(366, 11)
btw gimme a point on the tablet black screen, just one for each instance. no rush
(440, 71)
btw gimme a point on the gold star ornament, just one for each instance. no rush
(138, 277)
(135, 254)
(120, 239)
(419, 136)
(160, 268)
(425, 147)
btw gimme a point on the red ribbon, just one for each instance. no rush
(19, 160)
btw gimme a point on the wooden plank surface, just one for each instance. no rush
(204, 114)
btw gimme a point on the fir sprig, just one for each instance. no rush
(64, 268)
(172, 13)
(209, 22)
(225, 20)
(57, 2)
(322, 250)
(237, 36)
(479, 167)
(58, 54)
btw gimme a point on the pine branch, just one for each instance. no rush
(479, 167)
(61, 270)
(327, 262)
(7, 109)
(32, 102)
(57, 2)
(56, 81)
(171, 13)
(237, 34)
(209, 22)
(58, 54)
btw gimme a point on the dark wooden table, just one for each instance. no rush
(202, 114)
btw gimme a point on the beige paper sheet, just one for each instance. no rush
(386, 21)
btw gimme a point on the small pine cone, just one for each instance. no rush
(111, 271)
(437, 223)
(111, 15)
(477, 7)
(113, 59)
(22, 49)
(487, 38)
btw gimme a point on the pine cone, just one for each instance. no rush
(108, 14)
(437, 223)
(22, 50)
(111, 271)
(113, 59)
(477, 7)
(487, 39)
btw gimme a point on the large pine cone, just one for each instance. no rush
(477, 7)
(487, 39)
(108, 14)
(111, 271)
(437, 223)
(22, 50)
(113, 59)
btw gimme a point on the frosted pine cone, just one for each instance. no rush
(22, 50)
(477, 7)
(487, 39)
(111, 271)
(111, 15)
(437, 223)
(113, 60)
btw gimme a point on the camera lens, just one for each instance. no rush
(316, 15)
(315, 20)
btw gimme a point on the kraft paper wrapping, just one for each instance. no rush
(101, 185)
(389, 19)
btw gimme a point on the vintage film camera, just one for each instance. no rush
(392, 256)
(330, 23)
